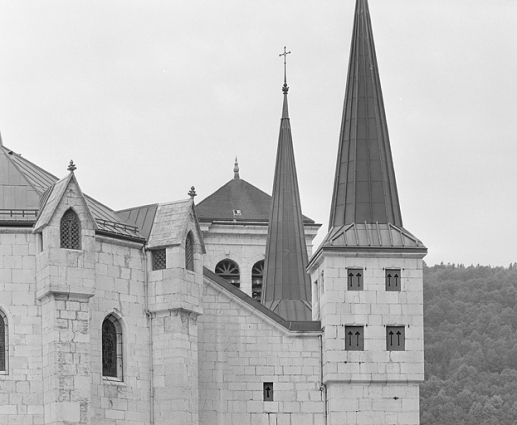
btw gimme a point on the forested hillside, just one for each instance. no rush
(470, 316)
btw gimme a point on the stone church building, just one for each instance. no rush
(214, 313)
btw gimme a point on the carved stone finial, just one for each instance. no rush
(236, 170)
(71, 167)
(192, 192)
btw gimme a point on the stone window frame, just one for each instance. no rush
(189, 252)
(396, 285)
(159, 259)
(354, 341)
(70, 226)
(4, 344)
(351, 274)
(395, 338)
(117, 326)
(230, 271)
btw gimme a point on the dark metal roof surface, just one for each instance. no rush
(365, 189)
(292, 325)
(286, 289)
(22, 176)
(141, 217)
(237, 196)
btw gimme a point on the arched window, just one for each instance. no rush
(257, 277)
(229, 271)
(70, 230)
(3, 342)
(111, 348)
(189, 252)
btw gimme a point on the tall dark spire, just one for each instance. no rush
(286, 289)
(365, 189)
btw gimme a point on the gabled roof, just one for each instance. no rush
(21, 181)
(237, 195)
(286, 289)
(365, 189)
(53, 197)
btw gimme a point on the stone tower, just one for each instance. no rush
(367, 274)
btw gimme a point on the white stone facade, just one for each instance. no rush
(195, 351)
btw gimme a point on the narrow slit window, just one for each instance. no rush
(395, 338)
(354, 338)
(355, 279)
(111, 348)
(189, 252)
(393, 280)
(257, 277)
(159, 259)
(3, 342)
(70, 230)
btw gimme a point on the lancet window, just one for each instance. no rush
(70, 230)
(3, 342)
(111, 347)
(189, 252)
(257, 277)
(229, 271)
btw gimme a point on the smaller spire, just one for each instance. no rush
(236, 170)
(285, 88)
(192, 192)
(71, 167)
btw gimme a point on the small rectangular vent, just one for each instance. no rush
(268, 391)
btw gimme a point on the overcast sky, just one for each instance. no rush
(151, 97)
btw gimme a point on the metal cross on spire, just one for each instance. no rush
(285, 89)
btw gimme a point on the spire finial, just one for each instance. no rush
(236, 170)
(1, 141)
(285, 89)
(71, 167)
(192, 192)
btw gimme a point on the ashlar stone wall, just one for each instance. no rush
(240, 349)
(21, 386)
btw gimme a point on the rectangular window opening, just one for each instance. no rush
(395, 338)
(393, 281)
(354, 338)
(268, 391)
(355, 279)
(159, 259)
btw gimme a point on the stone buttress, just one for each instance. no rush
(65, 282)
(174, 307)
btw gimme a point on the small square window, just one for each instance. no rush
(237, 212)
(392, 279)
(354, 338)
(395, 338)
(268, 391)
(159, 259)
(355, 279)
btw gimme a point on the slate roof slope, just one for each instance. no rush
(237, 194)
(365, 189)
(171, 224)
(17, 196)
(286, 289)
(35, 181)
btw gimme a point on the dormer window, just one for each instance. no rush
(237, 212)
(70, 230)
